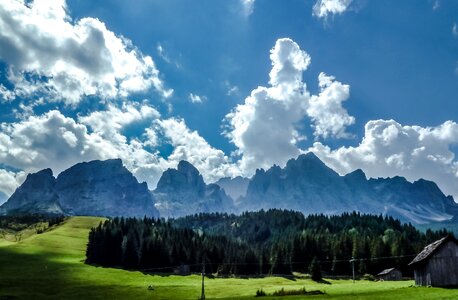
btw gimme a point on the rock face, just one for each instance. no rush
(37, 194)
(182, 191)
(96, 188)
(306, 184)
(234, 187)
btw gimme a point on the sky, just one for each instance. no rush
(230, 86)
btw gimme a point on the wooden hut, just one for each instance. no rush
(437, 264)
(390, 274)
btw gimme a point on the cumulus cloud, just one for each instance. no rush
(324, 8)
(9, 181)
(51, 140)
(247, 7)
(196, 98)
(48, 53)
(189, 145)
(389, 149)
(265, 127)
(109, 123)
(326, 110)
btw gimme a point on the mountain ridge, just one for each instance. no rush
(304, 184)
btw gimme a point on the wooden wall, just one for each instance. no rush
(393, 275)
(441, 269)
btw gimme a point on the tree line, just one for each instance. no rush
(264, 242)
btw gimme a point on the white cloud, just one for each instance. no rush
(189, 145)
(389, 149)
(10, 180)
(247, 7)
(109, 123)
(265, 127)
(232, 90)
(196, 98)
(324, 8)
(326, 111)
(49, 53)
(6, 94)
(161, 52)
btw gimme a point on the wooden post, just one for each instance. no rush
(353, 267)
(202, 296)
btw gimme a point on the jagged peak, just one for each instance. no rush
(45, 172)
(184, 166)
(423, 183)
(358, 173)
(309, 157)
(260, 171)
(309, 163)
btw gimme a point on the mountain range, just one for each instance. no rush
(305, 184)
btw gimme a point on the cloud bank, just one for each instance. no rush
(60, 59)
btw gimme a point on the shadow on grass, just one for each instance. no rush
(40, 276)
(323, 281)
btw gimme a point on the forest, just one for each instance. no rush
(259, 243)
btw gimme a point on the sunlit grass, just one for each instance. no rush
(51, 266)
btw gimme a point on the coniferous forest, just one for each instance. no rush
(259, 243)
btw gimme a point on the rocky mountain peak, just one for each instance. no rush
(36, 193)
(308, 165)
(356, 176)
(185, 178)
(182, 191)
(97, 188)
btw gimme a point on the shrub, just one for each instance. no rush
(368, 277)
(260, 293)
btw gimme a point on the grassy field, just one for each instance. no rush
(50, 266)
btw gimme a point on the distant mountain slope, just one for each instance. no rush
(96, 188)
(36, 195)
(182, 191)
(306, 184)
(234, 187)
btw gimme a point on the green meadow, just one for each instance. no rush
(51, 266)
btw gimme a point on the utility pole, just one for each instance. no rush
(353, 267)
(202, 296)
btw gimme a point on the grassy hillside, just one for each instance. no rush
(50, 266)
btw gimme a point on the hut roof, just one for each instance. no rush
(431, 248)
(386, 271)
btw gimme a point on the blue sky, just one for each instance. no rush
(364, 84)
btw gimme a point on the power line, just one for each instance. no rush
(351, 260)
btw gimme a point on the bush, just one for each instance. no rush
(301, 291)
(368, 277)
(260, 293)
